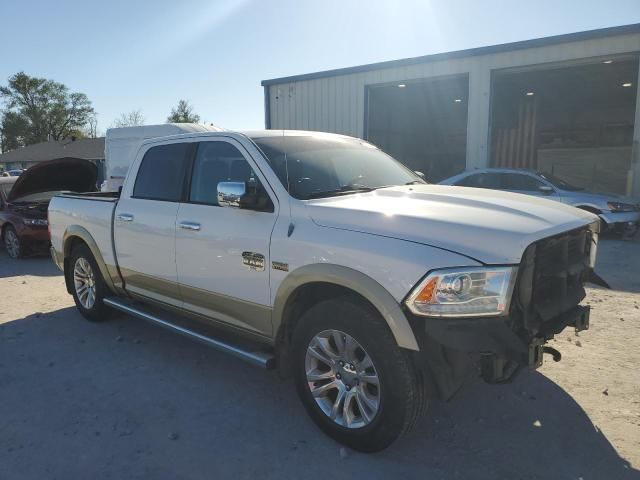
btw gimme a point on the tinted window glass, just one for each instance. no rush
(517, 181)
(162, 171)
(558, 182)
(481, 180)
(217, 162)
(313, 167)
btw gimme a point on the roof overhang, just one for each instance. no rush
(471, 52)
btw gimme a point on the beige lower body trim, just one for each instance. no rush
(154, 288)
(180, 311)
(221, 308)
(58, 258)
(76, 231)
(237, 312)
(354, 280)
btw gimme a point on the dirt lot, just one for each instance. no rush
(125, 399)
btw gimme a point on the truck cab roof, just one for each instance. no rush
(162, 130)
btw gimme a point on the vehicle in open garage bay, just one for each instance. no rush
(322, 256)
(616, 212)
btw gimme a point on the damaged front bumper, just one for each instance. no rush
(546, 299)
(500, 349)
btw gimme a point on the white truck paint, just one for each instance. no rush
(252, 268)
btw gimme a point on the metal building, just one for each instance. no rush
(564, 104)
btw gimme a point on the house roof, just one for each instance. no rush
(83, 148)
(470, 52)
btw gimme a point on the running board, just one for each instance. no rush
(260, 358)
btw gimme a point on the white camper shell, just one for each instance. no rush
(122, 144)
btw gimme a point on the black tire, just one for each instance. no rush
(400, 396)
(15, 251)
(98, 311)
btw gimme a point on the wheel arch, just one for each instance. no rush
(6, 225)
(323, 281)
(73, 236)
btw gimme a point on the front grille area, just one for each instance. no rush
(558, 278)
(552, 274)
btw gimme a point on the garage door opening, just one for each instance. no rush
(422, 123)
(574, 122)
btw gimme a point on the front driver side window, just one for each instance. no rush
(217, 162)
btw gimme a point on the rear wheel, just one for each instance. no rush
(89, 288)
(357, 385)
(12, 242)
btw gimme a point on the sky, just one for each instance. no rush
(134, 54)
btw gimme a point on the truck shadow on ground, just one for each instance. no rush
(36, 265)
(124, 399)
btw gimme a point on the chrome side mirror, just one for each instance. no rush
(230, 193)
(547, 190)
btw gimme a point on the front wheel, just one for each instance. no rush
(89, 288)
(357, 385)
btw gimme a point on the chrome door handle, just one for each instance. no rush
(125, 217)
(190, 226)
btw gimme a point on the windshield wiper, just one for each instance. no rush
(416, 182)
(344, 190)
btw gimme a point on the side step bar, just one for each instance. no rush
(260, 358)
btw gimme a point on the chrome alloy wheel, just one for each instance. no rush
(84, 282)
(342, 379)
(11, 243)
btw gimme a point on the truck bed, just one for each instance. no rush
(108, 196)
(91, 211)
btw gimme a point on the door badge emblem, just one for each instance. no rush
(284, 267)
(254, 261)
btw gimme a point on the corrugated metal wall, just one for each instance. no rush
(337, 103)
(514, 147)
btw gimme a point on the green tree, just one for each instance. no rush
(183, 113)
(37, 109)
(13, 130)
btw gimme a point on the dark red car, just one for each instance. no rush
(23, 208)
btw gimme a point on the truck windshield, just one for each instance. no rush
(316, 167)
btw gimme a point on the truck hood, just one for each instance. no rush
(63, 174)
(490, 226)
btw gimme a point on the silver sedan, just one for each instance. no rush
(617, 212)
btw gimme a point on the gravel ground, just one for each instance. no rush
(125, 399)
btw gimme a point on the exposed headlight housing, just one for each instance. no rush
(464, 292)
(620, 207)
(36, 221)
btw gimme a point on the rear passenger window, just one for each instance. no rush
(217, 162)
(162, 173)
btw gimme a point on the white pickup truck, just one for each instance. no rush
(321, 255)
